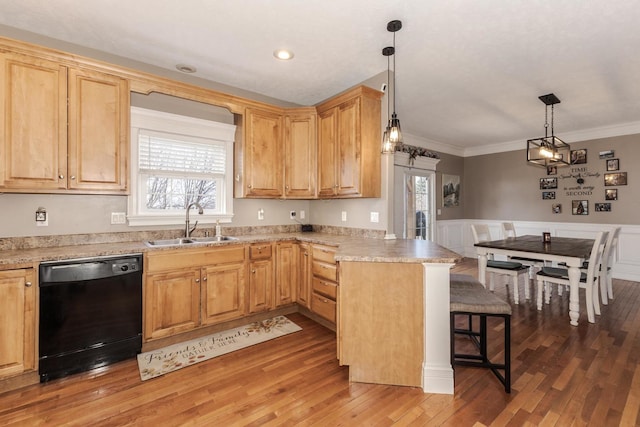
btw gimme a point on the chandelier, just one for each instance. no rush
(548, 150)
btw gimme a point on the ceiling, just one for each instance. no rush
(469, 72)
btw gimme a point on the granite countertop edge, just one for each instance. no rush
(348, 249)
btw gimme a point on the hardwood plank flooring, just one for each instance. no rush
(562, 375)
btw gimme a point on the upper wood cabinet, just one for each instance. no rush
(300, 154)
(98, 131)
(64, 128)
(276, 154)
(18, 326)
(259, 155)
(349, 145)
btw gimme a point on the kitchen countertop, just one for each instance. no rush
(349, 248)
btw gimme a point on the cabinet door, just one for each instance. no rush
(260, 285)
(327, 152)
(33, 150)
(172, 303)
(304, 274)
(98, 131)
(300, 156)
(17, 322)
(223, 290)
(349, 160)
(286, 273)
(263, 154)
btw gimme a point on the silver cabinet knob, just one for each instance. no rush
(28, 284)
(61, 176)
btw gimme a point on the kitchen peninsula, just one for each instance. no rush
(392, 297)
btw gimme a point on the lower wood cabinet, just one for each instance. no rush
(286, 273)
(303, 284)
(188, 288)
(260, 277)
(17, 322)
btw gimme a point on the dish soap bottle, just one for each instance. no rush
(218, 228)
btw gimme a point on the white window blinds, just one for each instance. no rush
(180, 154)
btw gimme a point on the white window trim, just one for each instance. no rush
(142, 118)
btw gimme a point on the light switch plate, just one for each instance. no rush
(344, 215)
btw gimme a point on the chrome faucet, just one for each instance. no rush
(187, 230)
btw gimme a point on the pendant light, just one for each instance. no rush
(392, 136)
(548, 150)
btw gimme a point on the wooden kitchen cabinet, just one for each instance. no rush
(260, 277)
(324, 282)
(65, 129)
(303, 291)
(188, 288)
(259, 156)
(300, 154)
(172, 303)
(349, 145)
(17, 322)
(286, 273)
(98, 140)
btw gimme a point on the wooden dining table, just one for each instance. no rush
(571, 251)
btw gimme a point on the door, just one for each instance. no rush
(223, 293)
(17, 322)
(172, 303)
(33, 107)
(414, 216)
(98, 131)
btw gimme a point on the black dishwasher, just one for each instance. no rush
(90, 313)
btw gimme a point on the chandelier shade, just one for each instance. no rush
(548, 150)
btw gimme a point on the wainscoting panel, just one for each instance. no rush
(456, 236)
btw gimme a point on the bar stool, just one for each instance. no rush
(469, 299)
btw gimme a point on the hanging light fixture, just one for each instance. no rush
(548, 150)
(392, 136)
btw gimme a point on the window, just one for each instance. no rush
(177, 160)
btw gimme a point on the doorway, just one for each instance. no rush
(414, 203)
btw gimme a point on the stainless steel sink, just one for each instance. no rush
(187, 242)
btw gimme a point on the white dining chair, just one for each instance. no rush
(509, 269)
(509, 231)
(610, 248)
(588, 281)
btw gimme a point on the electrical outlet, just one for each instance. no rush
(260, 214)
(118, 217)
(344, 215)
(292, 215)
(375, 217)
(302, 214)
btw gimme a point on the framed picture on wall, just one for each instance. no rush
(580, 207)
(552, 170)
(603, 207)
(548, 183)
(611, 194)
(556, 208)
(613, 164)
(579, 157)
(548, 195)
(615, 179)
(450, 190)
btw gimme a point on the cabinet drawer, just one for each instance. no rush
(322, 287)
(324, 307)
(325, 271)
(261, 251)
(324, 253)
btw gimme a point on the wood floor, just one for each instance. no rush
(562, 376)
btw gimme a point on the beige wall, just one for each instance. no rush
(504, 187)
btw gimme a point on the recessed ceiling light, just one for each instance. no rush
(186, 68)
(283, 54)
